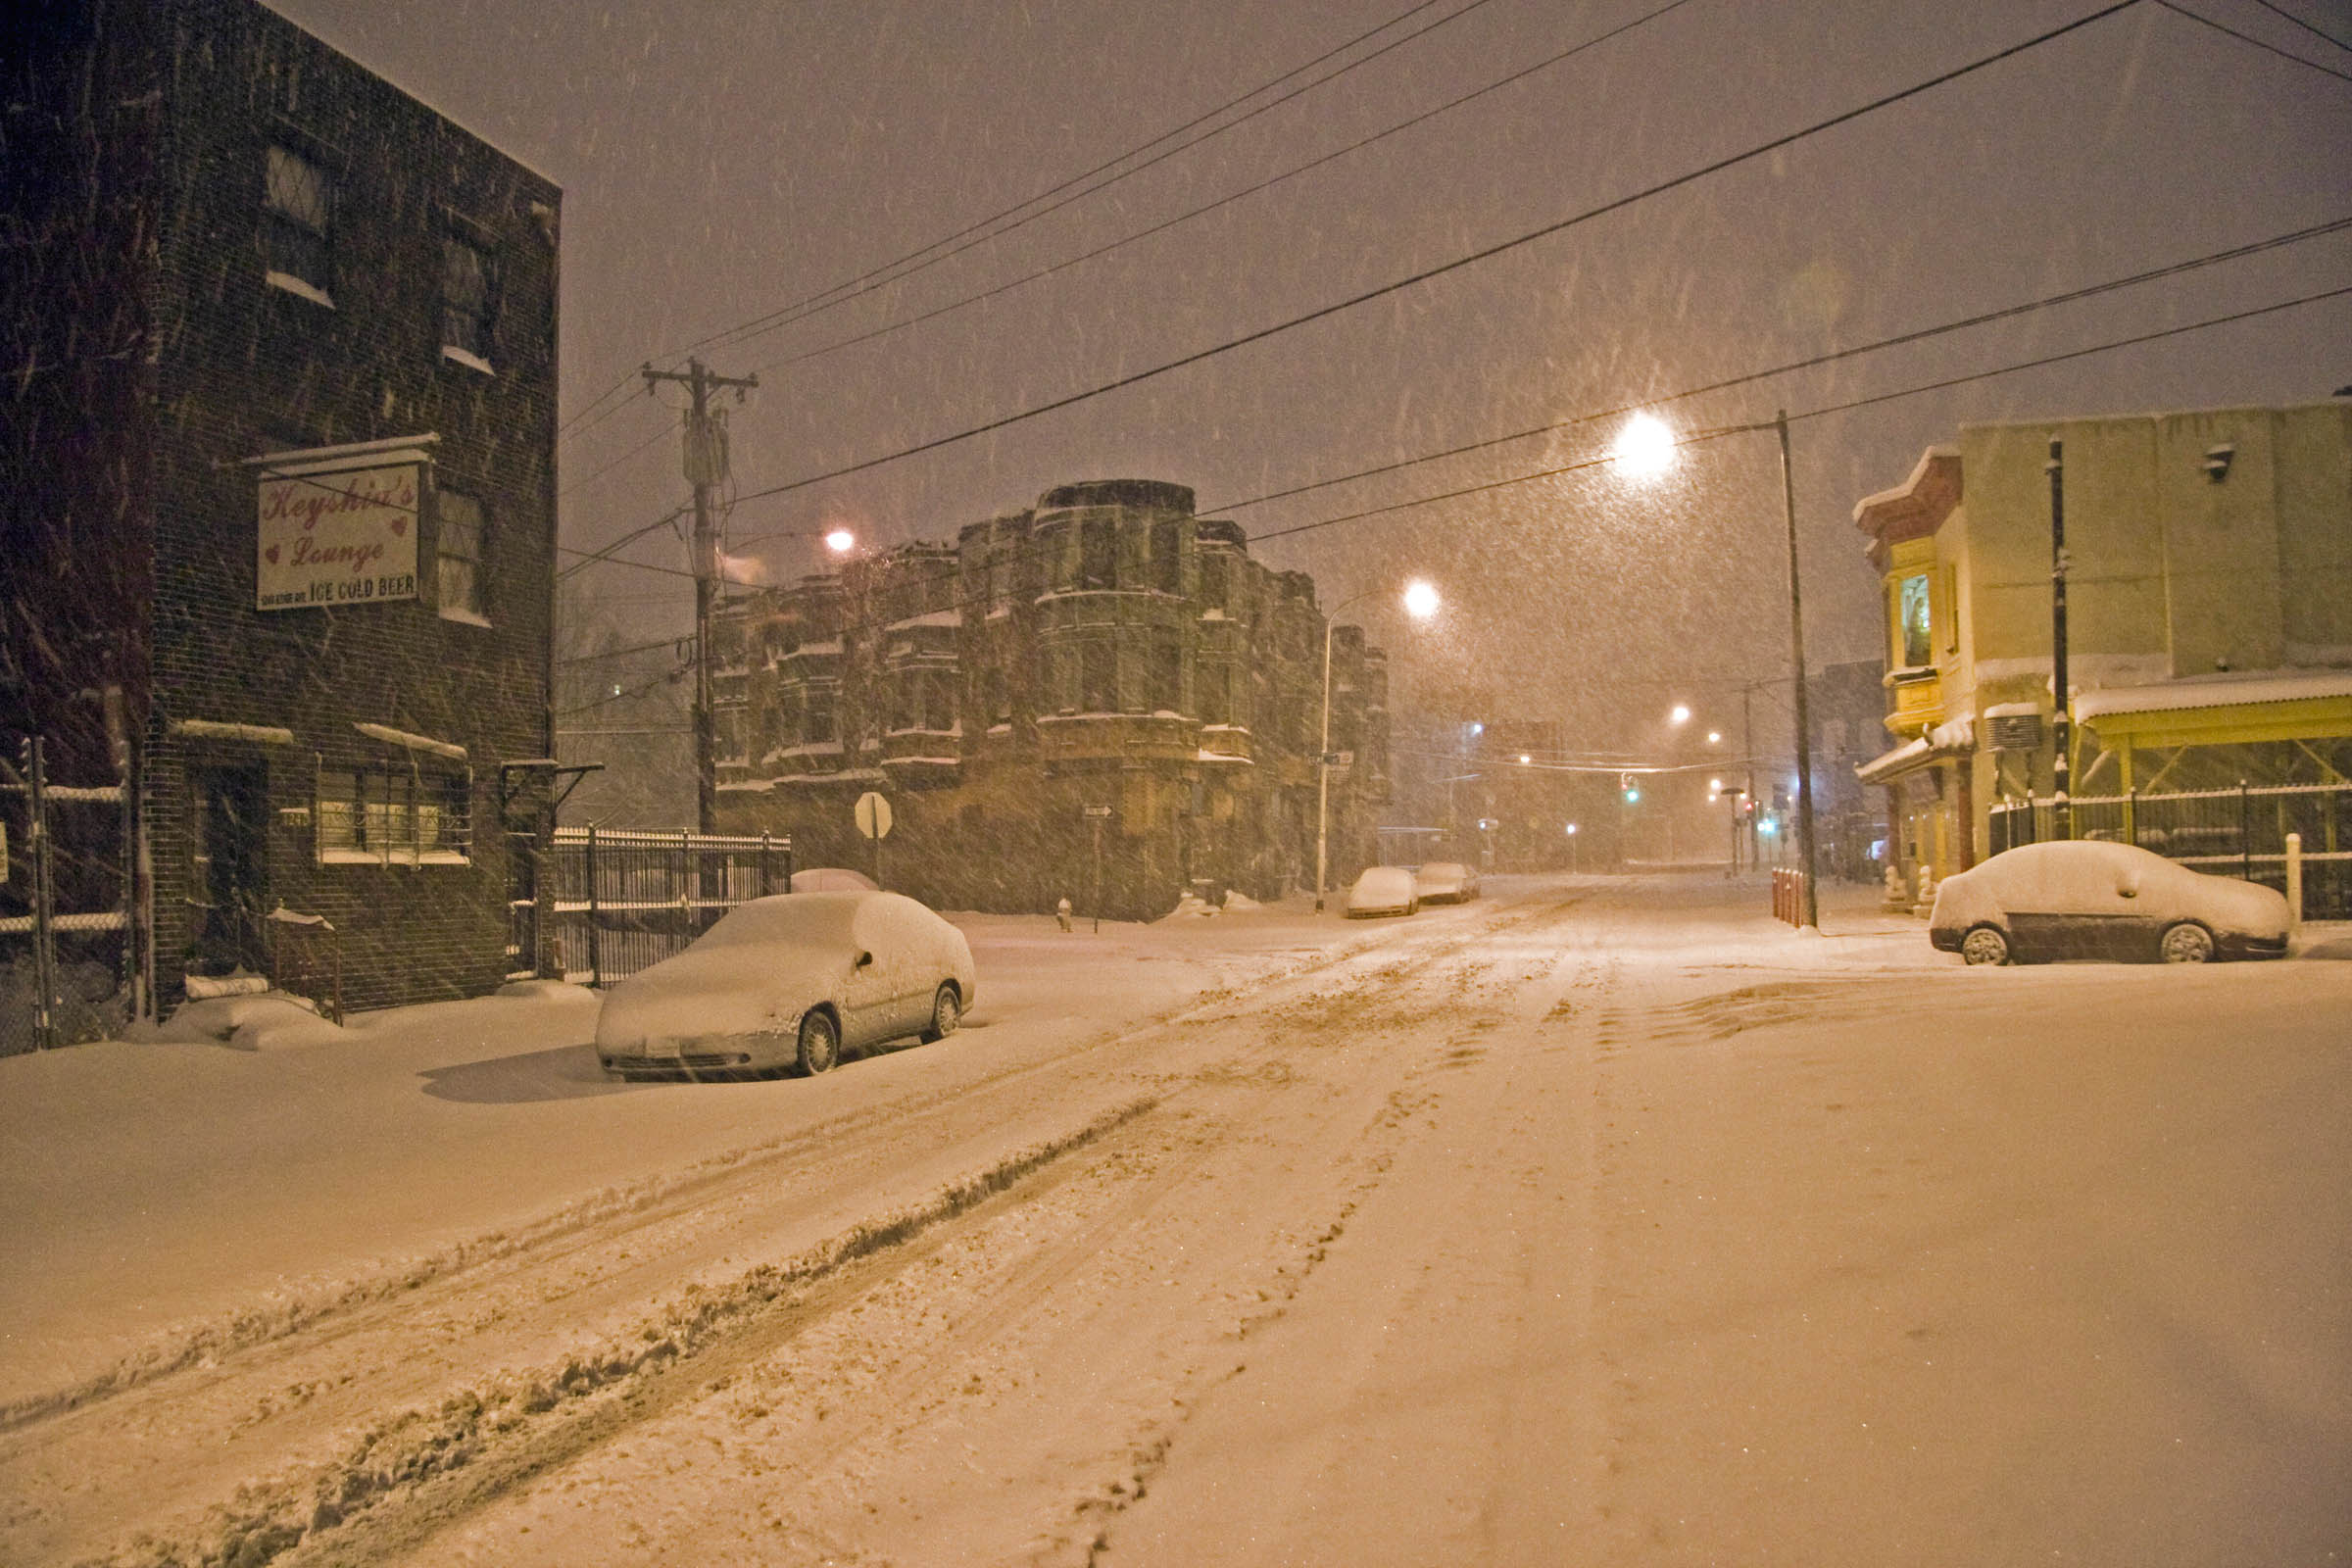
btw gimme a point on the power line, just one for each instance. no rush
(1814, 361)
(1485, 253)
(577, 485)
(1821, 412)
(837, 293)
(591, 558)
(1226, 201)
(2313, 29)
(2249, 38)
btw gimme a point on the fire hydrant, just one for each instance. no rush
(1061, 913)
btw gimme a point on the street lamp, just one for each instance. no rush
(1638, 452)
(1420, 603)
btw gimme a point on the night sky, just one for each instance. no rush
(723, 162)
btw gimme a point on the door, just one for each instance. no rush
(227, 868)
(2065, 901)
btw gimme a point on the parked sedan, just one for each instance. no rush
(1445, 882)
(1383, 890)
(831, 879)
(792, 980)
(2079, 899)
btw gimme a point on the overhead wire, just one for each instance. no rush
(1816, 361)
(1165, 225)
(2259, 43)
(913, 261)
(1483, 253)
(2311, 27)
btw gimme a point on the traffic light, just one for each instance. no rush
(1625, 782)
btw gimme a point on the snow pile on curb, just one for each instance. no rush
(266, 1020)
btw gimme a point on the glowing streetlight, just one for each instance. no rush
(1524, 758)
(1420, 603)
(841, 541)
(1714, 737)
(1641, 452)
(1680, 715)
(1644, 448)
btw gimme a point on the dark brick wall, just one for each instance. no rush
(241, 367)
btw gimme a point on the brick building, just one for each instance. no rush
(1104, 649)
(278, 437)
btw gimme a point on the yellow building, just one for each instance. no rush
(2209, 644)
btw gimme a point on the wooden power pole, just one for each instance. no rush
(706, 465)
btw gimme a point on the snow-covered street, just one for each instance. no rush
(1602, 1220)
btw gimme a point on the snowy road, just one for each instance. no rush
(1597, 1222)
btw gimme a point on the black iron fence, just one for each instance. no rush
(623, 900)
(2238, 832)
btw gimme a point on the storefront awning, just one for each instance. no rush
(2240, 708)
(1955, 737)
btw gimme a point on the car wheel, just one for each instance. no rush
(2186, 943)
(947, 1012)
(820, 1043)
(1984, 944)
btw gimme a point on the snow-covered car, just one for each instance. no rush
(832, 879)
(1383, 890)
(792, 980)
(1445, 882)
(2081, 898)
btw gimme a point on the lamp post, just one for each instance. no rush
(1645, 448)
(1421, 602)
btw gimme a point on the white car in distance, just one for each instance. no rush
(790, 981)
(1383, 890)
(1445, 882)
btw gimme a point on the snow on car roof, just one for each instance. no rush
(851, 917)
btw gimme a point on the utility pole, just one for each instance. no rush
(1811, 910)
(705, 468)
(2062, 810)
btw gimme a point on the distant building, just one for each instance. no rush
(1103, 660)
(2209, 585)
(278, 430)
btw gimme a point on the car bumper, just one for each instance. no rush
(2239, 945)
(697, 1054)
(1945, 939)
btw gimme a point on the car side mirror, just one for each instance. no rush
(2129, 887)
(863, 958)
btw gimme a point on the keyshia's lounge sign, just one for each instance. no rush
(337, 525)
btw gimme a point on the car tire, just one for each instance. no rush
(820, 1043)
(1984, 944)
(2186, 943)
(947, 1012)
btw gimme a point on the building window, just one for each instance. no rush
(816, 722)
(939, 702)
(1097, 552)
(1213, 578)
(1168, 672)
(298, 208)
(457, 558)
(1913, 622)
(394, 815)
(1099, 678)
(465, 303)
(999, 696)
(1167, 557)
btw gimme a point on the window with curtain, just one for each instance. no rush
(458, 552)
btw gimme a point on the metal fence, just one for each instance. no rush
(65, 905)
(623, 899)
(2234, 832)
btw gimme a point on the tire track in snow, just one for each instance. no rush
(451, 1434)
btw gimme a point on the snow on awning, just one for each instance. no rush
(206, 729)
(415, 743)
(387, 452)
(2233, 690)
(1956, 737)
